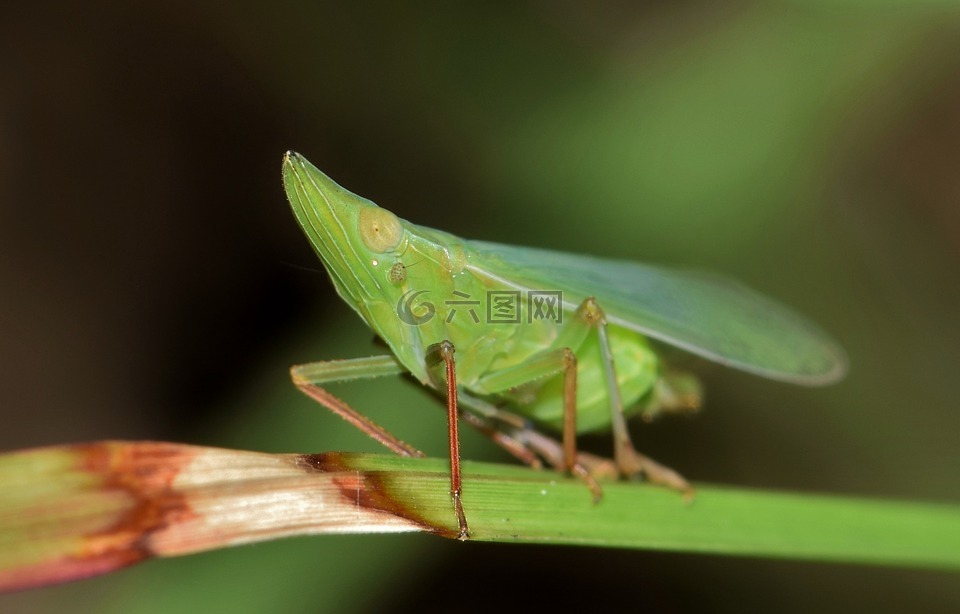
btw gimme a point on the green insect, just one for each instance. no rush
(522, 337)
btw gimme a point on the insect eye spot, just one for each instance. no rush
(397, 273)
(380, 230)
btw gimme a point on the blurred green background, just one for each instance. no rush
(154, 284)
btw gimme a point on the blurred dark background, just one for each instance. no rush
(153, 283)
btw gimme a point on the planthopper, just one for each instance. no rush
(517, 339)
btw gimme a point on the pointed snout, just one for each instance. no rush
(329, 215)
(326, 212)
(313, 195)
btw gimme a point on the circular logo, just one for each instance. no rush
(405, 308)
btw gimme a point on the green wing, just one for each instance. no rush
(705, 314)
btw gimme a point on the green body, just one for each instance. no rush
(381, 264)
(450, 269)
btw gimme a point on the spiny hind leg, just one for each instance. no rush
(629, 462)
(632, 463)
(518, 437)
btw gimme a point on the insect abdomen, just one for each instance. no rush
(637, 369)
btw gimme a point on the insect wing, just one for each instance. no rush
(708, 315)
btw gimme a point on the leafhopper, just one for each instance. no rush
(518, 339)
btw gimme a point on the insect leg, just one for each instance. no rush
(545, 365)
(308, 378)
(444, 351)
(675, 392)
(629, 461)
(517, 435)
(508, 442)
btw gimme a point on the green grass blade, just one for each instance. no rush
(519, 505)
(70, 512)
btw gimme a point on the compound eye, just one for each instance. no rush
(380, 230)
(397, 273)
